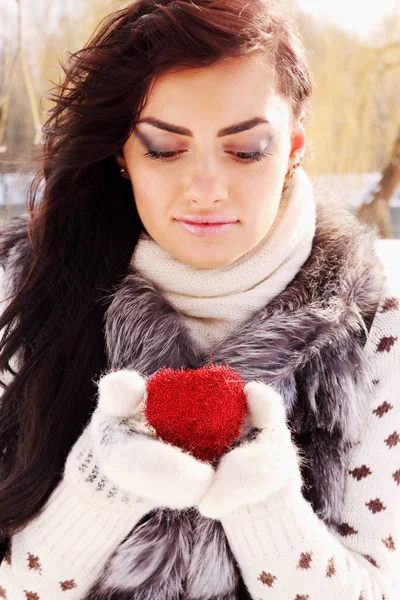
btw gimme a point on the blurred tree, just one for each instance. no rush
(10, 70)
(17, 74)
(377, 212)
(355, 109)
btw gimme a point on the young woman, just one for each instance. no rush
(175, 227)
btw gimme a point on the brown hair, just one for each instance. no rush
(84, 225)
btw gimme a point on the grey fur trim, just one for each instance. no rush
(222, 575)
(187, 556)
(154, 570)
(159, 335)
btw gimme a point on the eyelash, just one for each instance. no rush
(247, 157)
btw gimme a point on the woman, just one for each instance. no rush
(176, 228)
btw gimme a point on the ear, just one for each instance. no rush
(298, 143)
(120, 160)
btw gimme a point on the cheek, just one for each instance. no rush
(260, 195)
(150, 192)
(151, 186)
(261, 215)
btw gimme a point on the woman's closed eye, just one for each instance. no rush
(241, 156)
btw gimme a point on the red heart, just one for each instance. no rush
(199, 410)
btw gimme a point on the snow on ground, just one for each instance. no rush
(13, 189)
(356, 188)
(389, 253)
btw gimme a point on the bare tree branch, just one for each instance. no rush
(4, 100)
(385, 68)
(388, 48)
(8, 73)
(377, 212)
(28, 79)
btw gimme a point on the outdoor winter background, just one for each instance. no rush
(353, 131)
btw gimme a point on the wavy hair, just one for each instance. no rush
(84, 226)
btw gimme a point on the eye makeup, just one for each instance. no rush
(244, 150)
(244, 157)
(239, 152)
(167, 147)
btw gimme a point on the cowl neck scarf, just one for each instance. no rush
(213, 302)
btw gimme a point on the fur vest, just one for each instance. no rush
(308, 343)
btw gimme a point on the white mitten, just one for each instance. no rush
(135, 462)
(257, 469)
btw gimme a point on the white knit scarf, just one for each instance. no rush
(214, 301)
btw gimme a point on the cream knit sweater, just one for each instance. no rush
(284, 550)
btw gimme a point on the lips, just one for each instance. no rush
(210, 229)
(206, 219)
(206, 225)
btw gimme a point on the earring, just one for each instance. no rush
(292, 171)
(124, 173)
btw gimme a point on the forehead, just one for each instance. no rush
(229, 91)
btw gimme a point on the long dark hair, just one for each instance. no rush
(83, 224)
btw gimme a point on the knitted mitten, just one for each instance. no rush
(259, 468)
(137, 463)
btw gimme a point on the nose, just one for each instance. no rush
(206, 184)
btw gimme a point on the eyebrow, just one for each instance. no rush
(231, 130)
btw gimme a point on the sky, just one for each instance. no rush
(357, 16)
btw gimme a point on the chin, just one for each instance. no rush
(212, 262)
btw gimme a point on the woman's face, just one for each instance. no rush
(208, 159)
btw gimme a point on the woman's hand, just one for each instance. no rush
(257, 469)
(136, 462)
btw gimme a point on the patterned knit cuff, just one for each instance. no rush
(83, 475)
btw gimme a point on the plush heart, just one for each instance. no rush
(199, 410)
